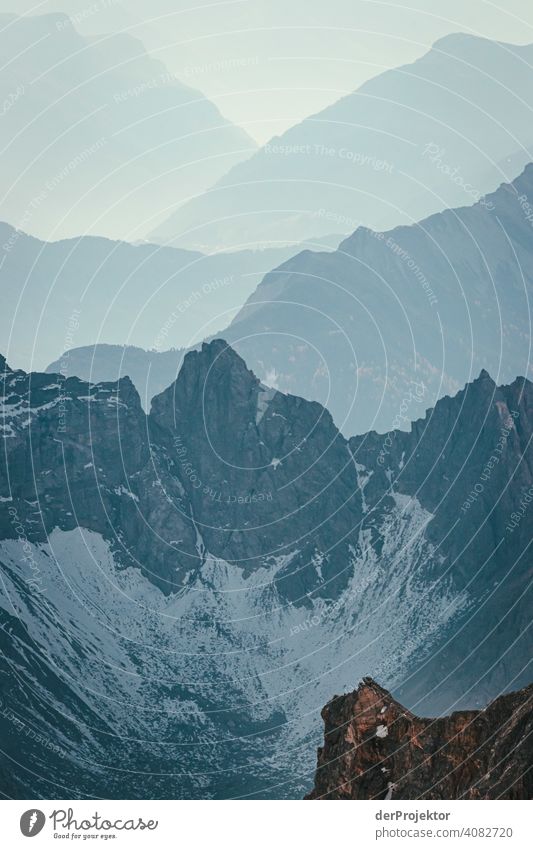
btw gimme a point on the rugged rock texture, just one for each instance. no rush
(469, 463)
(77, 455)
(266, 474)
(222, 464)
(377, 749)
(204, 577)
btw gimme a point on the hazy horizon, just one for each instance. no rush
(267, 66)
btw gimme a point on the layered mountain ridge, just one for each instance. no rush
(410, 142)
(77, 292)
(100, 136)
(388, 323)
(393, 321)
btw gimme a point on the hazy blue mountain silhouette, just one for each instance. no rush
(97, 136)
(392, 322)
(388, 323)
(78, 291)
(409, 142)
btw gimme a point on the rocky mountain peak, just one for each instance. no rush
(374, 748)
(4, 368)
(258, 467)
(292, 560)
(485, 378)
(214, 381)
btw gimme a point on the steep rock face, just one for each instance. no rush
(267, 475)
(377, 749)
(211, 573)
(77, 455)
(468, 462)
(222, 465)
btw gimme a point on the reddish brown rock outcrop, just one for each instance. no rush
(376, 749)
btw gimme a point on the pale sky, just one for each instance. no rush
(267, 64)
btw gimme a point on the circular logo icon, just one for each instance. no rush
(32, 822)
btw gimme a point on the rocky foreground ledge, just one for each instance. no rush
(376, 749)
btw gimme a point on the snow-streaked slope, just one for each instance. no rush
(183, 591)
(166, 674)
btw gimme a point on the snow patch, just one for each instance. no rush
(121, 490)
(264, 396)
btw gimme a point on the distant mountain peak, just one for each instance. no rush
(460, 39)
(171, 131)
(217, 347)
(406, 144)
(484, 376)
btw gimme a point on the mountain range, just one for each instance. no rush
(392, 317)
(99, 137)
(76, 292)
(385, 325)
(266, 403)
(410, 142)
(182, 591)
